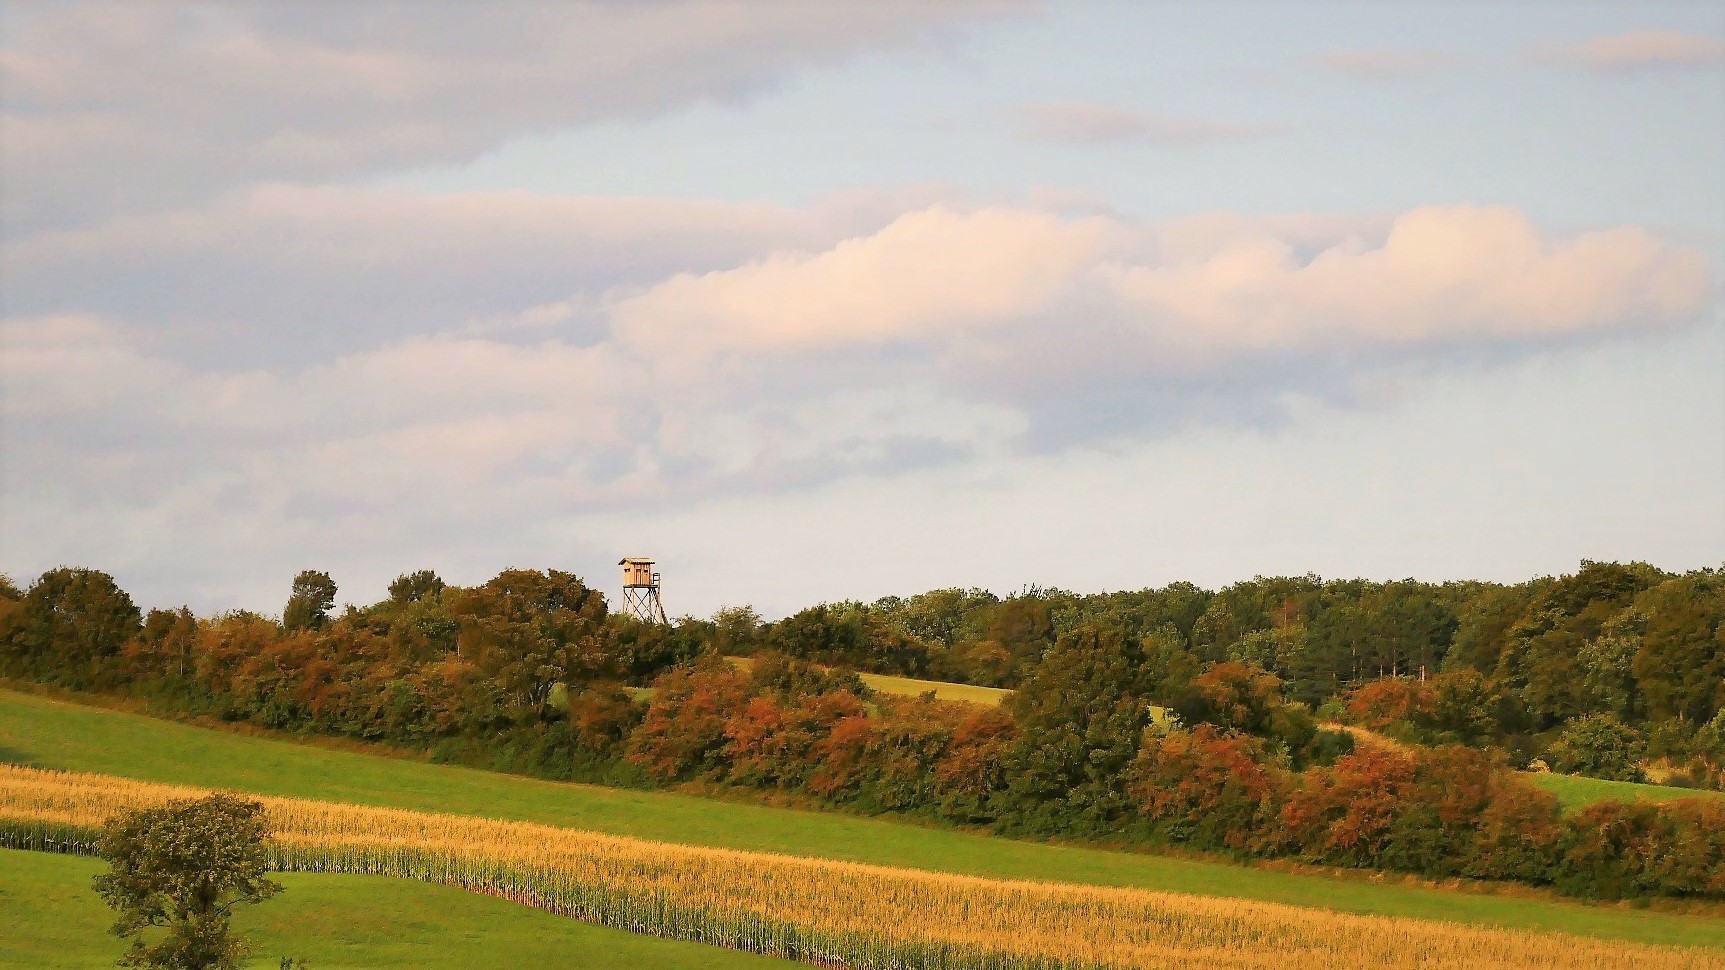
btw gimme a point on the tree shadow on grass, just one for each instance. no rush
(12, 756)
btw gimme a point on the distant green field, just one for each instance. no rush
(52, 920)
(910, 686)
(907, 686)
(60, 735)
(1574, 791)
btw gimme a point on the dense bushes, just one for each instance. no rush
(1438, 812)
(1210, 788)
(1174, 717)
(1614, 850)
(1601, 746)
(787, 725)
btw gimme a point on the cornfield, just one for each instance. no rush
(819, 911)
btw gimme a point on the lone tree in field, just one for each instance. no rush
(175, 874)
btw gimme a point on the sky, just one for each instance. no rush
(814, 302)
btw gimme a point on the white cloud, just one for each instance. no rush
(1087, 123)
(1639, 50)
(945, 282)
(285, 274)
(1440, 274)
(929, 274)
(109, 107)
(826, 347)
(944, 332)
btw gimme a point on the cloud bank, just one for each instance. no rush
(943, 332)
(117, 107)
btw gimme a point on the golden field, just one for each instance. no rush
(820, 911)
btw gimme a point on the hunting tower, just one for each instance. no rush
(641, 590)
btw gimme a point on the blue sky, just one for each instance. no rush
(840, 301)
(1486, 120)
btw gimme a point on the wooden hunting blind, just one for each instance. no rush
(641, 590)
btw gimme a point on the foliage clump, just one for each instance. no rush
(1599, 746)
(175, 874)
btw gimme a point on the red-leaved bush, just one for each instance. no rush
(1210, 788)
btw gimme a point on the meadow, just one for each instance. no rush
(1576, 791)
(49, 733)
(817, 910)
(911, 687)
(907, 686)
(338, 922)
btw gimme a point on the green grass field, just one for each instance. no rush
(906, 686)
(53, 920)
(912, 687)
(55, 734)
(1574, 791)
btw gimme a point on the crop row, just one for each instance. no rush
(820, 911)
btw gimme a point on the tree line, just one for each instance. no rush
(1168, 716)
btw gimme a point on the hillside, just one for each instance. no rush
(820, 911)
(55, 734)
(1576, 791)
(336, 922)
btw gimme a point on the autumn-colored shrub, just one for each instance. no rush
(684, 732)
(1516, 835)
(1209, 788)
(772, 740)
(1344, 814)
(973, 766)
(1616, 850)
(1379, 703)
(909, 740)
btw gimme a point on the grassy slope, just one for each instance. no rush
(60, 735)
(912, 687)
(907, 686)
(1575, 791)
(1572, 791)
(53, 920)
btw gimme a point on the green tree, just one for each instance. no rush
(1710, 740)
(411, 587)
(939, 616)
(1462, 706)
(737, 629)
(1483, 622)
(1023, 627)
(529, 631)
(167, 646)
(1081, 713)
(1599, 746)
(1542, 655)
(1263, 603)
(11, 623)
(852, 634)
(1411, 628)
(1681, 664)
(70, 628)
(1608, 671)
(175, 874)
(309, 604)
